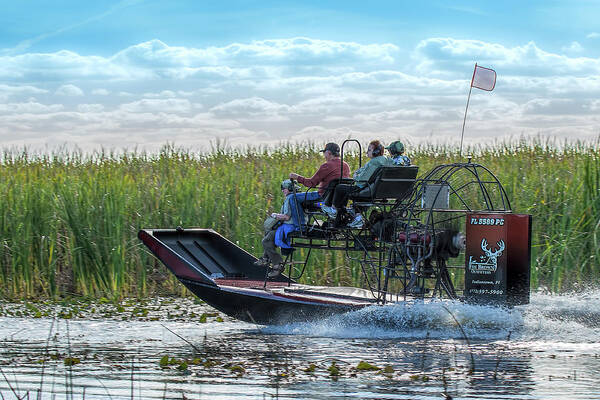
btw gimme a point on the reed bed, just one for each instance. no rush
(69, 221)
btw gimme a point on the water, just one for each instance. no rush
(546, 350)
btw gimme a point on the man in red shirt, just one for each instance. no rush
(332, 168)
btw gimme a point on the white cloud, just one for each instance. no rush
(100, 92)
(169, 94)
(340, 102)
(26, 89)
(8, 91)
(296, 51)
(155, 59)
(90, 108)
(593, 35)
(69, 90)
(29, 108)
(446, 57)
(548, 106)
(158, 106)
(254, 106)
(594, 105)
(296, 89)
(574, 47)
(56, 66)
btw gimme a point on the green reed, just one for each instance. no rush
(69, 221)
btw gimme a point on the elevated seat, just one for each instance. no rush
(387, 182)
(313, 205)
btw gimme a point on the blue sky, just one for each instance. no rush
(137, 73)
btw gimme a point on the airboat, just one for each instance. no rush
(448, 234)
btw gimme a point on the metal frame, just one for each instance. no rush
(407, 253)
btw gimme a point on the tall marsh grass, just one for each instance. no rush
(69, 221)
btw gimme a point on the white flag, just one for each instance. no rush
(483, 78)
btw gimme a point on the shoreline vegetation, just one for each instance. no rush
(69, 221)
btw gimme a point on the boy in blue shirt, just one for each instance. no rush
(396, 150)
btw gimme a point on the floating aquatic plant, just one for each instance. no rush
(419, 377)
(70, 361)
(183, 366)
(333, 369)
(388, 369)
(237, 369)
(209, 364)
(164, 362)
(311, 368)
(365, 366)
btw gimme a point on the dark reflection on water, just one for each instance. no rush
(517, 354)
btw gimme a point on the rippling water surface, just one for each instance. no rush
(549, 349)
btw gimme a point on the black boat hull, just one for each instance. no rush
(265, 308)
(225, 277)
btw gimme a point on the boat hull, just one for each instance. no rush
(225, 277)
(264, 307)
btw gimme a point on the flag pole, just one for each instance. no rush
(464, 121)
(466, 108)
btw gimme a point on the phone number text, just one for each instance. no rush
(487, 291)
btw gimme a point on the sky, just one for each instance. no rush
(138, 74)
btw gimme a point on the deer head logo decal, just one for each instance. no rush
(488, 262)
(492, 255)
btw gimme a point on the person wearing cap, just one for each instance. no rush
(396, 150)
(361, 177)
(332, 168)
(276, 233)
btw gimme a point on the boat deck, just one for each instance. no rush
(249, 283)
(341, 295)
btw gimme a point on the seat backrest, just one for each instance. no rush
(298, 216)
(328, 195)
(390, 182)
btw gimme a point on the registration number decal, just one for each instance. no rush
(487, 221)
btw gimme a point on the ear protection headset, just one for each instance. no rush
(377, 151)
